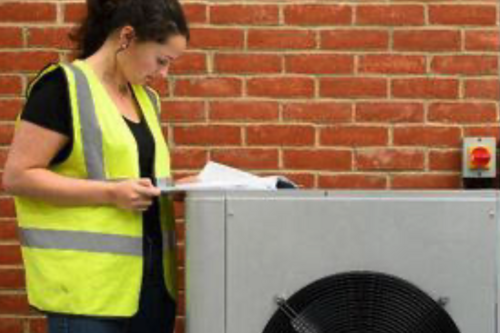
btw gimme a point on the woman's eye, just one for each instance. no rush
(162, 62)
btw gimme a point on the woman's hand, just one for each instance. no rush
(135, 195)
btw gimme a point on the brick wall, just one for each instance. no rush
(365, 94)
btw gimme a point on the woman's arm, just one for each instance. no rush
(26, 174)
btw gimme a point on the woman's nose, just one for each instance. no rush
(164, 72)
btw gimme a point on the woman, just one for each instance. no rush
(97, 237)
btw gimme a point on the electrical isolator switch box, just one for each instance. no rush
(479, 157)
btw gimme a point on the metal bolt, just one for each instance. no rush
(443, 301)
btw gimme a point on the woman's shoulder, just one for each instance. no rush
(49, 81)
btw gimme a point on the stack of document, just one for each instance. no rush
(215, 176)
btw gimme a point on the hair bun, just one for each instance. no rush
(102, 8)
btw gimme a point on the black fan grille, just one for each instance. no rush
(361, 302)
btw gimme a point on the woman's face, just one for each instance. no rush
(142, 62)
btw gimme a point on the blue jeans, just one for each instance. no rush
(156, 315)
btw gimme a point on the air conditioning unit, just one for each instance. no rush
(335, 262)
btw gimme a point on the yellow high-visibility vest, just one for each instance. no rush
(88, 260)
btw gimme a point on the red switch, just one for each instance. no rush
(480, 158)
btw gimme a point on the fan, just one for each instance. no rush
(359, 302)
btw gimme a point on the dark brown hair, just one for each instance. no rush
(152, 20)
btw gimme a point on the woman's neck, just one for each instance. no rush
(105, 65)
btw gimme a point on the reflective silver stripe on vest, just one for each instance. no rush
(169, 240)
(80, 241)
(91, 132)
(152, 98)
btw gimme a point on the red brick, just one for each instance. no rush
(161, 86)
(392, 64)
(279, 135)
(390, 15)
(290, 87)
(74, 12)
(355, 39)
(8, 230)
(165, 131)
(425, 88)
(318, 159)
(353, 87)
(3, 158)
(427, 136)
(10, 85)
(466, 113)
(390, 159)
(190, 63)
(318, 112)
(180, 229)
(465, 64)
(50, 37)
(184, 158)
(482, 40)
(180, 325)
(483, 130)
(209, 87)
(247, 158)
(390, 112)
(445, 160)
(10, 255)
(11, 37)
(302, 179)
(38, 325)
(426, 181)
(244, 14)
(354, 136)
(181, 260)
(482, 88)
(29, 12)
(7, 208)
(179, 205)
(244, 111)
(207, 135)
(209, 38)
(247, 63)
(181, 278)
(320, 64)
(26, 61)
(14, 304)
(11, 325)
(315, 14)
(281, 39)
(11, 279)
(180, 111)
(195, 12)
(10, 108)
(181, 304)
(6, 133)
(354, 181)
(427, 40)
(462, 14)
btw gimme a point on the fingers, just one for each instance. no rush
(146, 188)
(141, 204)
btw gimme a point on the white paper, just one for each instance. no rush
(216, 176)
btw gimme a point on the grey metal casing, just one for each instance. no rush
(246, 247)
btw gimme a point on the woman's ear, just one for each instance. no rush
(127, 36)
